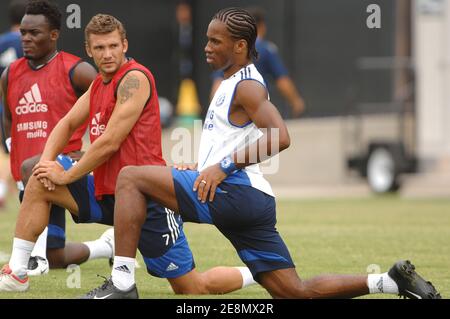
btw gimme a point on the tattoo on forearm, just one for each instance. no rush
(131, 82)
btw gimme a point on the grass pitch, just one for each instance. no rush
(324, 236)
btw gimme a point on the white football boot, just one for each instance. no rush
(10, 282)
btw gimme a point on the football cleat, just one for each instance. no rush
(109, 291)
(37, 266)
(10, 282)
(410, 284)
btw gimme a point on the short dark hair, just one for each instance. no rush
(16, 11)
(48, 9)
(104, 24)
(241, 25)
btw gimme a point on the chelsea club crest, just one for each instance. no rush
(220, 99)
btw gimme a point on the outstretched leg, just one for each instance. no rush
(72, 253)
(157, 184)
(214, 281)
(401, 279)
(285, 283)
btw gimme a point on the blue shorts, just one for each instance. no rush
(56, 236)
(162, 243)
(245, 215)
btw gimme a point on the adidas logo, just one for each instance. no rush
(31, 102)
(171, 267)
(380, 285)
(123, 268)
(96, 128)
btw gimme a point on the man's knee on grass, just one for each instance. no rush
(56, 258)
(195, 285)
(283, 284)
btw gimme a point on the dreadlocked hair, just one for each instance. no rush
(241, 25)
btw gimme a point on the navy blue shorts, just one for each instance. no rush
(162, 244)
(243, 214)
(56, 236)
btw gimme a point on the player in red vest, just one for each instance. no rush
(40, 89)
(123, 111)
(10, 50)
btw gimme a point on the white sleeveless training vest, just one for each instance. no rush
(221, 138)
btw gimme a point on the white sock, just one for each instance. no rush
(40, 248)
(247, 278)
(20, 256)
(123, 272)
(98, 249)
(381, 283)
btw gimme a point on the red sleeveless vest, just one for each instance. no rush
(143, 144)
(37, 100)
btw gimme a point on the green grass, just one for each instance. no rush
(324, 236)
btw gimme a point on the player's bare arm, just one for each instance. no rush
(83, 75)
(59, 137)
(290, 93)
(251, 96)
(133, 92)
(250, 103)
(6, 118)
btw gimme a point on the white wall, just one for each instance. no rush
(431, 45)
